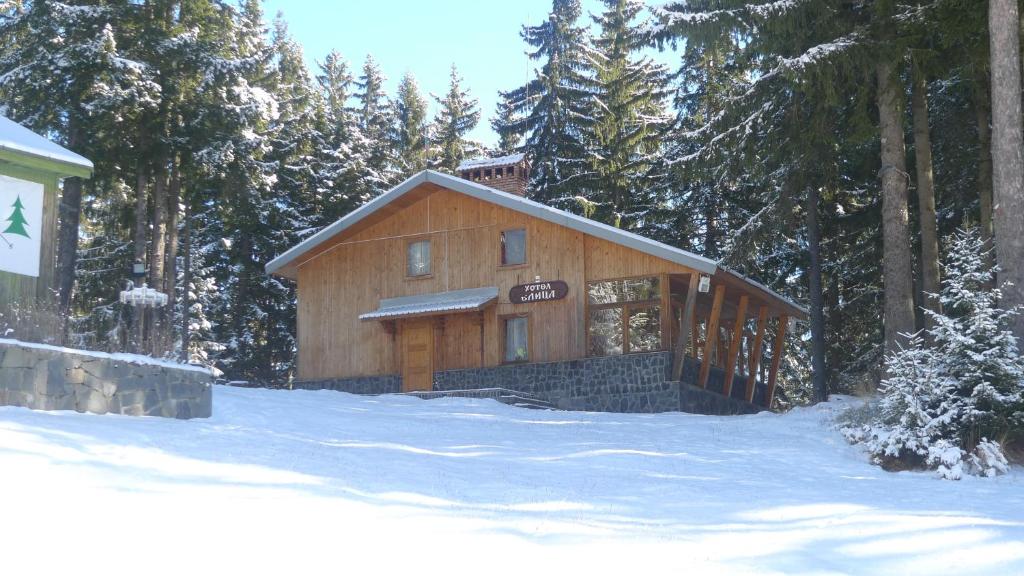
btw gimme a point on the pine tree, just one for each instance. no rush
(411, 137)
(950, 402)
(375, 121)
(504, 115)
(457, 115)
(17, 220)
(554, 111)
(631, 119)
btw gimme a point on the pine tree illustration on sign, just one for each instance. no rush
(17, 220)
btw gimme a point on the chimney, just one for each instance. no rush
(506, 173)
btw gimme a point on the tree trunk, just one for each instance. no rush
(67, 236)
(157, 247)
(982, 111)
(141, 220)
(186, 282)
(925, 199)
(1007, 141)
(897, 275)
(170, 278)
(819, 376)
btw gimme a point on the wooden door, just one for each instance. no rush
(417, 356)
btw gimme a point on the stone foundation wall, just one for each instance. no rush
(50, 378)
(629, 383)
(390, 384)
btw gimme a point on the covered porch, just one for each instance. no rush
(727, 334)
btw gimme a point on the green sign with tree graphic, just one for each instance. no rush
(17, 220)
(21, 219)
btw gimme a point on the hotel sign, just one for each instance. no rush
(538, 292)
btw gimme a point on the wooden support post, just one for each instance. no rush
(734, 346)
(780, 339)
(755, 352)
(696, 335)
(666, 312)
(685, 330)
(712, 336)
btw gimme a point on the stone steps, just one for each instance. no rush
(503, 395)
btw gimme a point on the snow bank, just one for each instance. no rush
(302, 482)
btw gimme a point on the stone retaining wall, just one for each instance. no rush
(50, 378)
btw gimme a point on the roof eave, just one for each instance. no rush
(58, 166)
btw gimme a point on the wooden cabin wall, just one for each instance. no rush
(351, 278)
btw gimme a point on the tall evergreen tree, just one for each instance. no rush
(411, 138)
(554, 111)
(457, 115)
(630, 121)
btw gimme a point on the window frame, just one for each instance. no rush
(503, 329)
(526, 248)
(408, 244)
(658, 300)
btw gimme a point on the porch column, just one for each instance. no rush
(755, 352)
(685, 330)
(734, 345)
(780, 339)
(712, 336)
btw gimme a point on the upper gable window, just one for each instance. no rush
(513, 247)
(418, 258)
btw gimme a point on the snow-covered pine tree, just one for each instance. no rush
(951, 401)
(457, 115)
(630, 121)
(376, 121)
(342, 150)
(504, 115)
(554, 111)
(411, 138)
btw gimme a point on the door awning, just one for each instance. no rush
(454, 301)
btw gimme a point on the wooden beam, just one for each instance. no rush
(689, 320)
(712, 336)
(666, 312)
(734, 345)
(780, 339)
(755, 352)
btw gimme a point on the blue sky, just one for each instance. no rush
(425, 37)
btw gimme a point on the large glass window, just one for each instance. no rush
(624, 316)
(517, 347)
(513, 247)
(418, 258)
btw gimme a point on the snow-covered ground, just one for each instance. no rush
(304, 482)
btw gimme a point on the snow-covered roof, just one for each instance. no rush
(282, 263)
(491, 162)
(16, 138)
(435, 303)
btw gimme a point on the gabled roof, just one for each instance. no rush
(526, 206)
(468, 300)
(491, 162)
(21, 143)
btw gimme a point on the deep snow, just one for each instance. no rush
(301, 482)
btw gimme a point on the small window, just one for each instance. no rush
(516, 339)
(487, 174)
(513, 247)
(497, 172)
(418, 261)
(510, 171)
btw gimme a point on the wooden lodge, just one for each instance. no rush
(444, 274)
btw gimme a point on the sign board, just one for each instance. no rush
(21, 226)
(538, 292)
